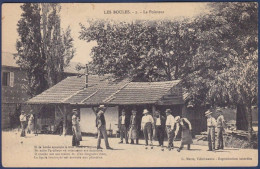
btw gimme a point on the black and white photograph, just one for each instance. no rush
(162, 84)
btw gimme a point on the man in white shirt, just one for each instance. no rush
(147, 126)
(220, 129)
(170, 128)
(23, 120)
(122, 125)
(211, 124)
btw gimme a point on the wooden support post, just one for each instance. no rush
(153, 110)
(184, 111)
(64, 120)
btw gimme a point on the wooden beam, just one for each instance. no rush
(64, 120)
(153, 110)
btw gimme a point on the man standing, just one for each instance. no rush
(170, 125)
(101, 126)
(122, 127)
(211, 124)
(30, 127)
(133, 127)
(220, 129)
(159, 127)
(185, 126)
(76, 138)
(23, 120)
(147, 126)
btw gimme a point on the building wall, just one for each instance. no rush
(12, 96)
(88, 120)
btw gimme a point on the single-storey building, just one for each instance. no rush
(14, 94)
(86, 92)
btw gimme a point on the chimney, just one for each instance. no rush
(86, 76)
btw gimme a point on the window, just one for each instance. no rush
(8, 79)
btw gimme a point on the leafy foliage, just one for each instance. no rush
(43, 49)
(144, 50)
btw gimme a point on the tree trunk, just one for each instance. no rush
(241, 119)
(250, 127)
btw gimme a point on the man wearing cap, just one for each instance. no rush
(122, 126)
(211, 124)
(23, 120)
(77, 137)
(147, 126)
(133, 132)
(101, 126)
(170, 128)
(159, 127)
(220, 129)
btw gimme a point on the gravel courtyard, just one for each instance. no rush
(54, 150)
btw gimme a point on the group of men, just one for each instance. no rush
(27, 121)
(151, 125)
(155, 126)
(218, 125)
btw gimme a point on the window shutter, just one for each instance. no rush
(12, 79)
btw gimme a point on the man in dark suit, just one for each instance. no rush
(159, 121)
(101, 126)
(123, 125)
(133, 131)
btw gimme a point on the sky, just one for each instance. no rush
(74, 13)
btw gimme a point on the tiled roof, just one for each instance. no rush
(143, 92)
(101, 90)
(98, 94)
(65, 89)
(9, 60)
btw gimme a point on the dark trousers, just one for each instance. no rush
(137, 141)
(102, 132)
(182, 145)
(23, 126)
(75, 142)
(148, 135)
(220, 143)
(160, 134)
(170, 134)
(123, 133)
(211, 138)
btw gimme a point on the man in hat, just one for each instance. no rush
(77, 137)
(185, 127)
(147, 126)
(220, 129)
(133, 132)
(159, 127)
(122, 126)
(101, 126)
(23, 120)
(170, 128)
(211, 124)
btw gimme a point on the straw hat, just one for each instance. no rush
(208, 113)
(168, 111)
(145, 111)
(102, 106)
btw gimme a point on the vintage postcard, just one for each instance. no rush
(129, 84)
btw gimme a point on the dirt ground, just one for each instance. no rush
(54, 150)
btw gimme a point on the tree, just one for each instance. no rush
(143, 50)
(43, 48)
(225, 66)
